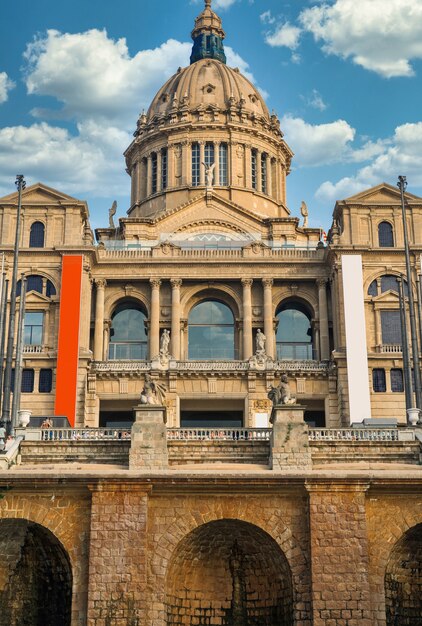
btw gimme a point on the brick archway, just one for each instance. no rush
(283, 518)
(229, 572)
(403, 580)
(35, 576)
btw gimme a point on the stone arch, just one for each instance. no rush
(114, 299)
(305, 298)
(236, 570)
(378, 274)
(262, 513)
(403, 580)
(198, 293)
(35, 576)
(68, 521)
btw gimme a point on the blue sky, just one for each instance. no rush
(344, 76)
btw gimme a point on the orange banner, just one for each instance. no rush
(68, 347)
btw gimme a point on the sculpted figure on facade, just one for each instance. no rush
(305, 213)
(152, 393)
(209, 174)
(281, 395)
(111, 214)
(260, 342)
(164, 344)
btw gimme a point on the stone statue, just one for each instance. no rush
(209, 174)
(152, 392)
(164, 343)
(111, 214)
(305, 213)
(281, 394)
(260, 342)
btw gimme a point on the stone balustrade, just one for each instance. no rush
(316, 367)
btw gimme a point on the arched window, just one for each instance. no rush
(294, 333)
(254, 165)
(211, 331)
(154, 172)
(209, 154)
(388, 282)
(36, 283)
(224, 179)
(128, 339)
(264, 176)
(385, 235)
(196, 164)
(164, 168)
(36, 236)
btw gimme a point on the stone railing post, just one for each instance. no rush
(290, 439)
(149, 438)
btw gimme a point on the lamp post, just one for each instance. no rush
(21, 184)
(407, 369)
(18, 358)
(402, 184)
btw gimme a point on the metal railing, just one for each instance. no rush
(84, 434)
(219, 434)
(353, 434)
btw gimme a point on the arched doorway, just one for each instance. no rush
(35, 576)
(403, 580)
(229, 573)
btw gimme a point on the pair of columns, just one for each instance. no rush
(248, 348)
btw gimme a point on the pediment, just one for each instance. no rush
(34, 297)
(211, 210)
(40, 194)
(388, 296)
(381, 194)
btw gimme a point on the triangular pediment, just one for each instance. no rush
(40, 194)
(34, 297)
(381, 194)
(210, 209)
(387, 296)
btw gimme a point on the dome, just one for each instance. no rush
(204, 84)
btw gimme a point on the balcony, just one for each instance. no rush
(123, 366)
(390, 348)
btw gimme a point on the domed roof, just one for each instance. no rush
(205, 83)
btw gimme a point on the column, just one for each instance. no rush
(268, 315)
(171, 182)
(175, 317)
(339, 554)
(201, 165)
(269, 176)
(99, 320)
(334, 306)
(149, 175)
(378, 329)
(217, 164)
(154, 330)
(323, 320)
(248, 166)
(106, 338)
(247, 318)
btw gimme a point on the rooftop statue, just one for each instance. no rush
(111, 214)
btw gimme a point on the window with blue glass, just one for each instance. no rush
(379, 384)
(396, 378)
(254, 164)
(34, 282)
(196, 164)
(391, 327)
(128, 339)
(36, 235)
(45, 382)
(211, 331)
(33, 329)
(154, 172)
(27, 381)
(264, 174)
(294, 333)
(385, 235)
(164, 168)
(388, 282)
(223, 166)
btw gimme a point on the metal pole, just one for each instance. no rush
(20, 183)
(407, 371)
(419, 298)
(3, 314)
(402, 184)
(18, 358)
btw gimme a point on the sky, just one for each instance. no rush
(344, 76)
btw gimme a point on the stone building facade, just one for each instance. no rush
(211, 287)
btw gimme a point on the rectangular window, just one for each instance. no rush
(224, 181)
(45, 383)
(33, 329)
(253, 168)
(264, 173)
(209, 154)
(391, 328)
(378, 380)
(195, 165)
(27, 381)
(164, 169)
(396, 377)
(154, 173)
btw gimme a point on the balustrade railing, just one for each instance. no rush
(391, 348)
(84, 434)
(353, 434)
(219, 434)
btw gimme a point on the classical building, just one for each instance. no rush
(210, 290)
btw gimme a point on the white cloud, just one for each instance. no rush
(401, 155)
(316, 101)
(94, 76)
(91, 162)
(380, 36)
(319, 144)
(267, 17)
(285, 35)
(5, 86)
(223, 4)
